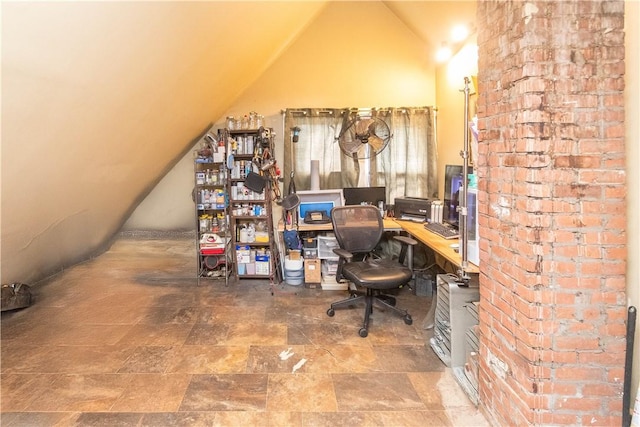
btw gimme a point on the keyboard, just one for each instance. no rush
(442, 230)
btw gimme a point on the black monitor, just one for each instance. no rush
(452, 187)
(364, 195)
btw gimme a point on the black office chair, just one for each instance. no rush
(358, 230)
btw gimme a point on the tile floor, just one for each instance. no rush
(130, 339)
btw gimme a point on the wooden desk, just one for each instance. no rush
(439, 244)
(389, 224)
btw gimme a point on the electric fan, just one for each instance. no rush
(362, 139)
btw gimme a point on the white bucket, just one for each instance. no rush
(294, 271)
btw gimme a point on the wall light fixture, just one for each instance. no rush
(444, 53)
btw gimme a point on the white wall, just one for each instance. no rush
(632, 129)
(99, 99)
(333, 63)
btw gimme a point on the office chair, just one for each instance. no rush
(358, 230)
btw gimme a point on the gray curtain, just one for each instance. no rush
(406, 167)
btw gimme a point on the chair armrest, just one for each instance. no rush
(343, 253)
(406, 240)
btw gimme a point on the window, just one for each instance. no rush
(406, 167)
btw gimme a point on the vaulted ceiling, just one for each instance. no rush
(100, 99)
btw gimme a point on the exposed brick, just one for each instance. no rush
(579, 404)
(559, 357)
(552, 162)
(613, 330)
(577, 162)
(600, 421)
(554, 418)
(602, 358)
(579, 373)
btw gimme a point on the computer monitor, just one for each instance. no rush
(365, 195)
(473, 238)
(452, 187)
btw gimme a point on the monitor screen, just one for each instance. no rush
(452, 186)
(364, 195)
(472, 214)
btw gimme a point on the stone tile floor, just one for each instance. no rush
(131, 338)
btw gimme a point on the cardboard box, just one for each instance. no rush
(312, 270)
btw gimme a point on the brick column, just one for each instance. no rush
(552, 211)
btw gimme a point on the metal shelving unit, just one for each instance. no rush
(253, 242)
(214, 259)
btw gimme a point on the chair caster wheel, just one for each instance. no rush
(363, 332)
(331, 312)
(408, 320)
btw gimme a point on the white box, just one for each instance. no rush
(262, 267)
(329, 282)
(329, 267)
(243, 254)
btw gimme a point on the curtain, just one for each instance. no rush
(407, 166)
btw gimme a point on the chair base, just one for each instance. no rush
(371, 297)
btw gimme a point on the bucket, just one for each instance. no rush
(294, 271)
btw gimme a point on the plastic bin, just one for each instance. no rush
(293, 271)
(326, 245)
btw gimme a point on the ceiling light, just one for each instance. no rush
(459, 33)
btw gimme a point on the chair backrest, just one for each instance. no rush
(358, 228)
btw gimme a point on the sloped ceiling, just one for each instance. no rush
(100, 99)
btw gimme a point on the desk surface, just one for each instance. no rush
(437, 243)
(440, 245)
(389, 224)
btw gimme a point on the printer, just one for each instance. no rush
(412, 209)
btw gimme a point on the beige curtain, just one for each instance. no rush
(406, 167)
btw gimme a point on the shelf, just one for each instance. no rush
(261, 244)
(207, 162)
(213, 257)
(243, 131)
(261, 201)
(211, 185)
(245, 143)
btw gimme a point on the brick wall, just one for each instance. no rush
(552, 194)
